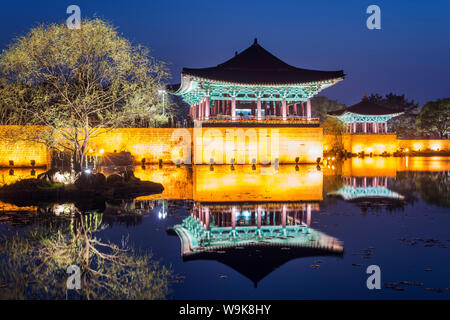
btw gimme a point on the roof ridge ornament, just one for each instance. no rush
(255, 42)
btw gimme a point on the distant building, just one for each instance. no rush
(365, 117)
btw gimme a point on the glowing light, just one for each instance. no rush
(88, 171)
(162, 215)
(435, 146)
(417, 146)
(101, 151)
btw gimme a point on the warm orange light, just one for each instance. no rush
(417, 146)
(435, 147)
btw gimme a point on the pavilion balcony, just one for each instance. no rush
(265, 121)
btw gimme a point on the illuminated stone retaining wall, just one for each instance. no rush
(21, 152)
(379, 143)
(200, 145)
(424, 145)
(263, 145)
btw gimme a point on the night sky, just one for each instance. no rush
(410, 54)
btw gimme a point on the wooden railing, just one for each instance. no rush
(266, 119)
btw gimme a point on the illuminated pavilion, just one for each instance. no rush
(252, 86)
(365, 117)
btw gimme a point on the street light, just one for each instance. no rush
(162, 92)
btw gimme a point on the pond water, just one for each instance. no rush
(287, 232)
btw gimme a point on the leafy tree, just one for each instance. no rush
(321, 105)
(178, 107)
(393, 101)
(334, 128)
(434, 188)
(434, 118)
(78, 83)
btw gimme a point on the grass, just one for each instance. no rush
(31, 185)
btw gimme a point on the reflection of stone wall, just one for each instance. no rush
(177, 182)
(9, 177)
(265, 183)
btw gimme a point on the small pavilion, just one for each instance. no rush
(254, 85)
(365, 117)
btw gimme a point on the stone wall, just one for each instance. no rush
(379, 143)
(22, 152)
(244, 145)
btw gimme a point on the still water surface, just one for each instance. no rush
(284, 233)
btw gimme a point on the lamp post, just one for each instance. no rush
(162, 92)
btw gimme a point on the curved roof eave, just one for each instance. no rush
(372, 115)
(274, 84)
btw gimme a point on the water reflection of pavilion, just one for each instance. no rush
(253, 238)
(362, 188)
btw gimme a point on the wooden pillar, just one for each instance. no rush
(233, 108)
(283, 108)
(308, 215)
(308, 109)
(207, 218)
(258, 106)
(207, 108)
(258, 221)
(200, 110)
(233, 218)
(365, 127)
(283, 217)
(303, 109)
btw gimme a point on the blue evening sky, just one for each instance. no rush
(410, 54)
